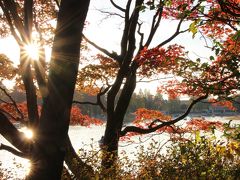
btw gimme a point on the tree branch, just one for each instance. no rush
(13, 151)
(131, 30)
(9, 20)
(57, 3)
(98, 102)
(15, 137)
(111, 55)
(116, 6)
(141, 36)
(177, 32)
(155, 23)
(163, 124)
(124, 40)
(11, 5)
(13, 103)
(229, 8)
(110, 14)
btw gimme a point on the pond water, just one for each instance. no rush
(82, 137)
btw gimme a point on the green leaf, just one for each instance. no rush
(211, 58)
(152, 7)
(142, 8)
(193, 28)
(236, 36)
(201, 9)
(217, 51)
(197, 136)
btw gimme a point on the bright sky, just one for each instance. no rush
(107, 34)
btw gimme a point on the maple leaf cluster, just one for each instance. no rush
(7, 70)
(202, 124)
(94, 75)
(159, 60)
(77, 118)
(143, 115)
(177, 9)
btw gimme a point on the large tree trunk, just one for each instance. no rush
(79, 168)
(49, 148)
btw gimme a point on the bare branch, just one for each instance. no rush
(177, 32)
(163, 124)
(13, 151)
(11, 134)
(13, 103)
(130, 29)
(116, 6)
(124, 40)
(9, 20)
(85, 102)
(111, 55)
(17, 21)
(155, 23)
(110, 14)
(98, 102)
(141, 36)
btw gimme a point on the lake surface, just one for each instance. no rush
(83, 137)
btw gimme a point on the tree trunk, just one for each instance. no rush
(49, 148)
(114, 125)
(79, 168)
(30, 89)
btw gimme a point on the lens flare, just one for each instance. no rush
(27, 132)
(32, 51)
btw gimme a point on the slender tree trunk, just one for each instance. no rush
(30, 89)
(114, 125)
(49, 148)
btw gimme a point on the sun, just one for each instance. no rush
(32, 50)
(27, 132)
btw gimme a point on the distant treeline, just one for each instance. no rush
(144, 99)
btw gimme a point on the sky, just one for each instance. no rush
(106, 32)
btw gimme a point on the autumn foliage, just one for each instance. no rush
(19, 113)
(77, 118)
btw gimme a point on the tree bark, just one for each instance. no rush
(49, 148)
(79, 168)
(114, 125)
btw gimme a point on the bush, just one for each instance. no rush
(203, 157)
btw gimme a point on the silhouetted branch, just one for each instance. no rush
(57, 3)
(111, 55)
(13, 151)
(155, 23)
(10, 23)
(163, 123)
(12, 135)
(141, 36)
(177, 32)
(13, 102)
(98, 102)
(117, 6)
(110, 14)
